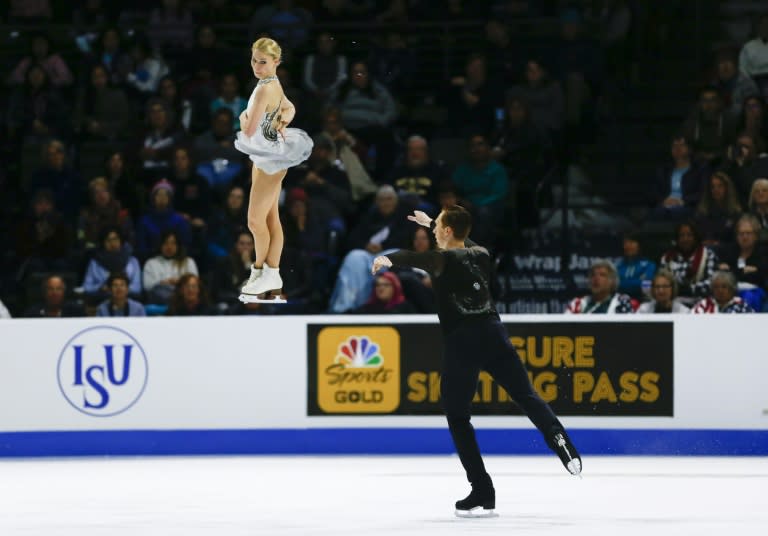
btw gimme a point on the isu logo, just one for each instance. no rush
(102, 371)
(358, 369)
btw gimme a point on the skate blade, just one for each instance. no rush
(250, 298)
(478, 512)
(574, 467)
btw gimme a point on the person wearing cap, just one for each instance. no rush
(159, 218)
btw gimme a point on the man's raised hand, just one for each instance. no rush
(380, 262)
(420, 217)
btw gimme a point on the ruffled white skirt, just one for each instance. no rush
(273, 156)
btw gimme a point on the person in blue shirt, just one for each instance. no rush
(483, 184)
(119, 304)
(113, 256)
(634, 270)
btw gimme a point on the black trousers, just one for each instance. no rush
(483, 344)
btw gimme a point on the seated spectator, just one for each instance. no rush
(208, 58)
(157, 143)
(219, 162)
(231, 272)
(102, 212)
(229, 98)
(40, 53)
(36, 111)
(744, 163)
(43, 238)
(718, 210)
(59, 177)
(470, 100)
(102, 111)
(307, 223)
(163, 271)
(504, 56)
(316, 231)
(122, 182)
(753, 58)
(349, 153)
(112, 257)
(190, 298)
(192, 194)
(753, 121)
(758, 205)
(483, 183)
(417, 284)
(633, 269)
(578, 64)
(723, 298)
(544, 96)
(733, 85)
(54, 302)
(368, 111)
(387, 297)
(382, 230)
(324, 181)
(159, 218)
(118, 303)
(227, 222)
(418, 176)
(324, 68)
(677, 189)
(308, 115)
(691, 262)
(747, 262)
(664, 295)
(395, 64)
(525, 151)
(709, 127)
(604, 298)
(180, 109)
(144, 69)
(108, 50)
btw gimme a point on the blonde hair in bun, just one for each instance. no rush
(267, 46)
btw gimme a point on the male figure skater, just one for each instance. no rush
(475, 339)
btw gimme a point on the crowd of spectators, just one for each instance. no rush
(123, 193)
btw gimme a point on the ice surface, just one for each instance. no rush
(399, 496)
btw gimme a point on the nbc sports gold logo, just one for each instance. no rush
(358, 369)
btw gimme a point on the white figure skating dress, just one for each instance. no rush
(267, 148)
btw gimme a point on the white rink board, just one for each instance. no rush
(251, 373)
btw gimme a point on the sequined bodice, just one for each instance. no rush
(267, 126)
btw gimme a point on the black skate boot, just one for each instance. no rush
(559, 441)
(480, 503)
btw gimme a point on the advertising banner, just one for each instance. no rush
(579, 368)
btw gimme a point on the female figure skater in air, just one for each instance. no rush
(272, 148)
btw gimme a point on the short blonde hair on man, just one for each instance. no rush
(267, 46)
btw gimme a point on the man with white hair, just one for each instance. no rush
(723, 298)
(416, 174)
(603, 282)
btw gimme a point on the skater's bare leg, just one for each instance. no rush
(276, 237)
(265, 190)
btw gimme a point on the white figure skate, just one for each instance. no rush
(267, 287)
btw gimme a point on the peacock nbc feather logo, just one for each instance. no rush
(359, 352)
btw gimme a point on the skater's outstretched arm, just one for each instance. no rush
(429, 261)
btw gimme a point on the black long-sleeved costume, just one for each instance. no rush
(475, 339)
(460, 279)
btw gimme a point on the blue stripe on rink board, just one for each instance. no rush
(375, 441)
